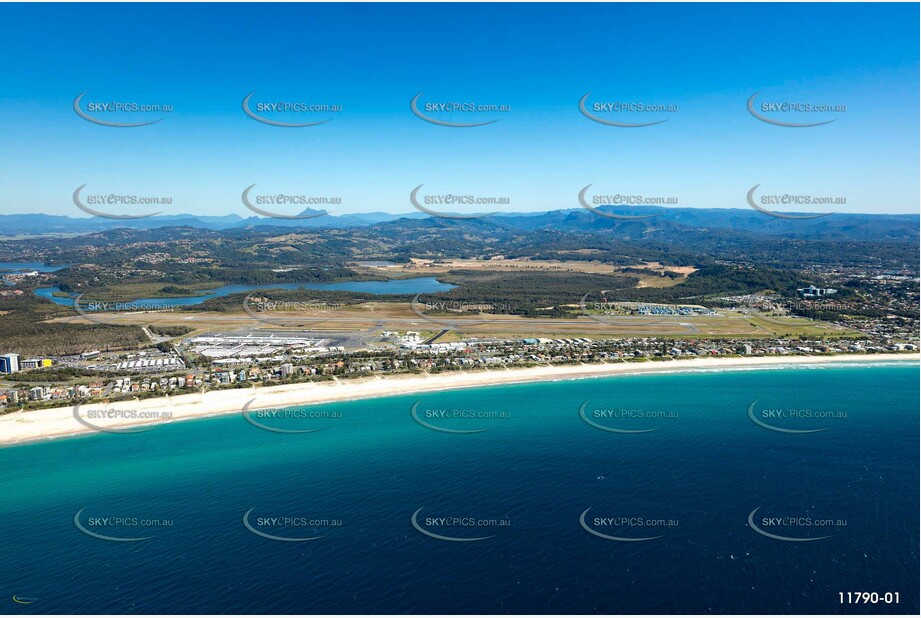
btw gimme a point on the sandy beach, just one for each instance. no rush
(133, 416)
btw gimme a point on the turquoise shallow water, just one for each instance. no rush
(524, 482)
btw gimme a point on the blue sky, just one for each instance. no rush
(537, 59)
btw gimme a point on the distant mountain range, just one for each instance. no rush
(57, 224)
(855, 227)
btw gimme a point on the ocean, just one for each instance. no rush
(628, 494)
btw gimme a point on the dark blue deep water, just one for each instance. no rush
(692, 484)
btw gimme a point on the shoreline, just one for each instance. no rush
(53, 423)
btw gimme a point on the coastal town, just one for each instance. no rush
(154, 373)
(880, 319)
(176, 360)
